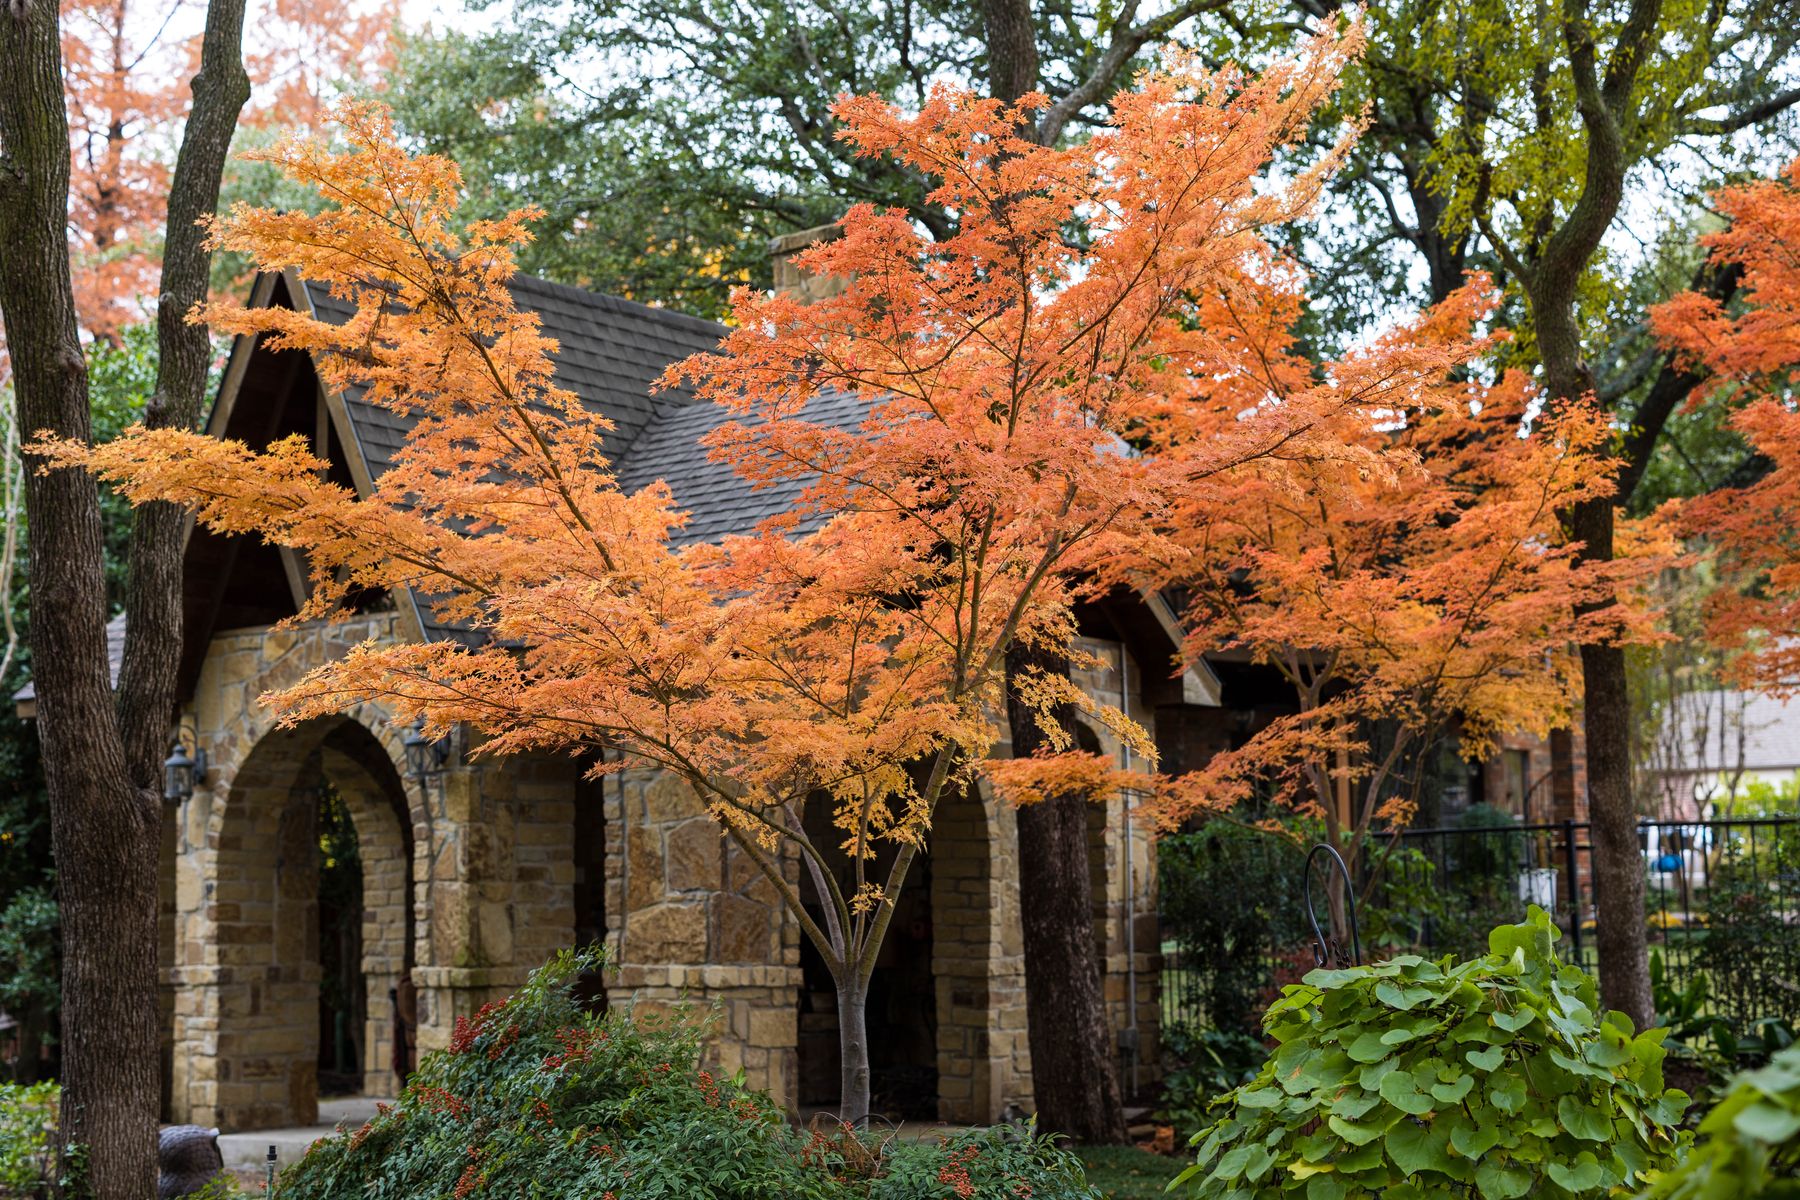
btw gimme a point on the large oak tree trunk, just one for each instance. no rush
(103, 828)
(1604, 98)
(1618, 861)
(1072, 1072)
(101, 754)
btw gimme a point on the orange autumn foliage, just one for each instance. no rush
(1024, 397)
(1037, 778)
(126, 73)
(1754, 355)
(1421, 586)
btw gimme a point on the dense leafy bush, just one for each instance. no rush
(27, 1139)
(1749, 1144)
(1752, 942)
(1493, 1077)
(1230, 902)
(1203, 1064)
(537, 1099)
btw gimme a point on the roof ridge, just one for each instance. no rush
(588, 296)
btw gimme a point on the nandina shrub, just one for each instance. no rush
(537, 1099)
(1496, 1077)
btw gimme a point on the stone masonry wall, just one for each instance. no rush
(691, 918)
(489, 874)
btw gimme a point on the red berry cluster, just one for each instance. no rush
(437, 1100)
(955, 1173)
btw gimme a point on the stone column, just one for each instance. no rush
(690, 917)
(984, 1060)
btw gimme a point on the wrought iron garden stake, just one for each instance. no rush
(1328, 951)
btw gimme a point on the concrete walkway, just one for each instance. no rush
(245, 1153)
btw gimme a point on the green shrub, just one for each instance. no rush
(1493, 1077)
(27, 1139)
(1229, 901)
(1749, 1144)
(1206, 1064)
(1752, 940)
(537, 1099)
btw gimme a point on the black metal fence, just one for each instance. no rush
(1722, 901)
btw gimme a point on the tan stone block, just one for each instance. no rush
(644, 869)
(740, 930)
(772, 1027)
(496, 933)
(693, 852)
(462, 795)
(667, 933)
(669, 798)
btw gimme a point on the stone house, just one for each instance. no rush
(328, 913)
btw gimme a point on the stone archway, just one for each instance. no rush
(246, 1044)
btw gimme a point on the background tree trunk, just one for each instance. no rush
(101, 756)
(1072, 1072)
(1604, 99)
(1618, 860)
(103, 829)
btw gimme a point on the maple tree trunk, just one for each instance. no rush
(853, 1052)
(1072, 1073)
(102, 754)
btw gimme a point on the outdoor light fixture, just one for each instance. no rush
(424, 758)
(181, 773)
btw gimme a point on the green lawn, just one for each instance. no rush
(1123, 1173)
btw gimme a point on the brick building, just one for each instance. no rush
(288, 964)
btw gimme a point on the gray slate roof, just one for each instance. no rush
(609, 352)
(716, 498)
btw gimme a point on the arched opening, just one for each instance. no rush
(343, 1003)
(902, 1002)
(309, 918)
(588, 850)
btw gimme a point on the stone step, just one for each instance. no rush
(246, 1152)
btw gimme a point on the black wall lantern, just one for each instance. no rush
(424, 758)
(181, 773)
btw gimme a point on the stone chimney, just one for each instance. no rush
(790, 278)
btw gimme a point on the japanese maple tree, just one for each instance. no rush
(1753, 352)
(1424, 586)
(854, 648)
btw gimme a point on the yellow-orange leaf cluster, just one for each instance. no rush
(1417, 581)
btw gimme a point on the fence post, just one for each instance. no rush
(1573, 861)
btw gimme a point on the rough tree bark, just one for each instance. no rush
(101, 756)
(1604, 99)
(1073, 1076)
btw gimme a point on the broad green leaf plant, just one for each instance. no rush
(1749, 1144)
(1496, 1078)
